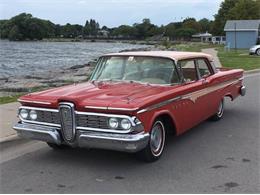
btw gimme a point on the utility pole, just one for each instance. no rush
(235, 27)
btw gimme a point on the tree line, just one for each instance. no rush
(26, 27)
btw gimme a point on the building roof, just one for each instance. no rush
(174, 55)
(206, 34)
(242, 25)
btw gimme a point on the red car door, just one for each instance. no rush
(193, 105)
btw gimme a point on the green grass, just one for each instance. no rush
(238, 59)
(193, 46)
(9, 99)
(230, 59)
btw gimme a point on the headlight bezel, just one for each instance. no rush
(31, 114)
(24, 113)
(115, 120)
(126, 121)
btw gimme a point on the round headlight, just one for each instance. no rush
(125, 124)
(33, 115)
(24, 113)
(113, 123)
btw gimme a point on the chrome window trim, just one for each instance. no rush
(34, 102)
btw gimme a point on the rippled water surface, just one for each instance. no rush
(26, 58)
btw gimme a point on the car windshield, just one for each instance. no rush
(153, 70)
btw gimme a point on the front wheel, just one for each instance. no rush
(219, 113)
(155, 147)
(258, 52)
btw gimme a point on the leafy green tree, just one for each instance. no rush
(205, 25)
(222, 16)
(170, 30)
(245, 10)
(15, 35)
(185, 33)
(191, 23)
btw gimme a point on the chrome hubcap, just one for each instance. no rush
(157, 138)
(220, 109)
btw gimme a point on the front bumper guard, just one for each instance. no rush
(89, 139)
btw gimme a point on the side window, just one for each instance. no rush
(188, 70)
(203, 68)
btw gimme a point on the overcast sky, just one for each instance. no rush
(111, 12)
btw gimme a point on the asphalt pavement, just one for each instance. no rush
(214, 157)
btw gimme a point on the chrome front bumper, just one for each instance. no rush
(89, 139)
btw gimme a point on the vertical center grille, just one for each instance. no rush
(67, 121)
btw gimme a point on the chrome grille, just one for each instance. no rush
(48, 117)
(67, 121)
(92, 121)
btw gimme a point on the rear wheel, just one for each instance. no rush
(155, 147)
(57, 147)
(219, 113)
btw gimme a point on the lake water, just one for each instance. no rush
(27, 58)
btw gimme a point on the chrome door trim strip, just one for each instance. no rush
(193, 96)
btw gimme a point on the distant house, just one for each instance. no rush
(202, 37)
(208, 38)
(242, 33)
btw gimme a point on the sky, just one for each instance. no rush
(111, 12)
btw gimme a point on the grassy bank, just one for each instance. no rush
(238, 59)
(230, 59)
(9, 99)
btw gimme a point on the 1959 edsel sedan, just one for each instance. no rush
(132, 102)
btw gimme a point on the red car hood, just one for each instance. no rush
(101, 94)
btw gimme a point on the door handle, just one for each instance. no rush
(205, 81)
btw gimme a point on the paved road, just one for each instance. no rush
(214, 157)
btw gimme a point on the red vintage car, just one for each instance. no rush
(132, 102)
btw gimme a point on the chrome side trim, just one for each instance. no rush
(159, 104)
(34, 102)
(193, 96)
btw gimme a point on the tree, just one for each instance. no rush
(170, 30)
(185, 33)
(245, 10)
(91, 28)
(205, 24)
(191, 23)
(222, 16)
(144, 29)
